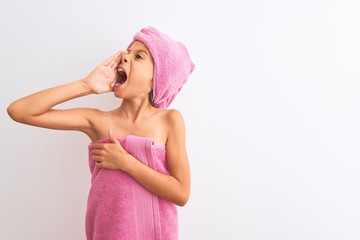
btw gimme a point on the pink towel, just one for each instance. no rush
(172, 64)
(120, 208)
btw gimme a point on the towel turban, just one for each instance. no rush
(172, 64)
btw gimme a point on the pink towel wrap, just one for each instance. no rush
(172, 64)
(120, 208)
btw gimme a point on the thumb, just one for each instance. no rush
(111, 137)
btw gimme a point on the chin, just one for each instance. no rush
(118, 95)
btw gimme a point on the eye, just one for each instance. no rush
(138, 56)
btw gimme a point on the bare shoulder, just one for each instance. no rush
(170, 118)
(175, 124)
(174, 116)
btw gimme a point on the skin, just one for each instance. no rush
(134, 116)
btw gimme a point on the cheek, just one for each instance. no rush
(150, 71)
(142, 80)
(148, 75)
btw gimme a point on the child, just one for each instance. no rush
(141, 174)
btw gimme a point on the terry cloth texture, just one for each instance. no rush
(120, 208)
(172, 64)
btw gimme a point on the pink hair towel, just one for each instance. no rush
(172, 64)
(119, 208)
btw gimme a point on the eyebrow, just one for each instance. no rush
(139, 51)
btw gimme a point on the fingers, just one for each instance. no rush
(96, 152)
(112, 138)
(99, 164)
(96, 145)
(117, 60)
(98, 159)
(111, 60)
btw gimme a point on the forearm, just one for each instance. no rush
(35, 109)
(165, 186)
(41, 102)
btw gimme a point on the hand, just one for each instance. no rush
(101, 78)
(109, 155)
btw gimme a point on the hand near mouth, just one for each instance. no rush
(101, 78)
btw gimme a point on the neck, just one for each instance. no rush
(135, 110)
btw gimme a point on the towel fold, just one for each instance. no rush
(120, 208)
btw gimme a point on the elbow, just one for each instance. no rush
(14, 112)
(182, 199)
(181, 203)
(181, 193)
(11, 110)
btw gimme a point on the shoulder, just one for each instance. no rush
(168, 116)
(175, 131)
(174, 114)
(174, 122)
(173, 117)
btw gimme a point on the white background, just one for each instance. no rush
(272, 114)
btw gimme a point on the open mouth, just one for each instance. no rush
(121, 77)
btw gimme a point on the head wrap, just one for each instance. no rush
(172, 64)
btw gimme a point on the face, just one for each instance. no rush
(135, 73)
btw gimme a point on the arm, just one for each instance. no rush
(174, 187)
(37, 109)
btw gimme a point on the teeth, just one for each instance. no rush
(121, 70)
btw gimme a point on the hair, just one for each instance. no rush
(151, 98)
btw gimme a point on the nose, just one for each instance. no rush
(124, 57)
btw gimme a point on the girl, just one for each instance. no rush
(141, 174)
